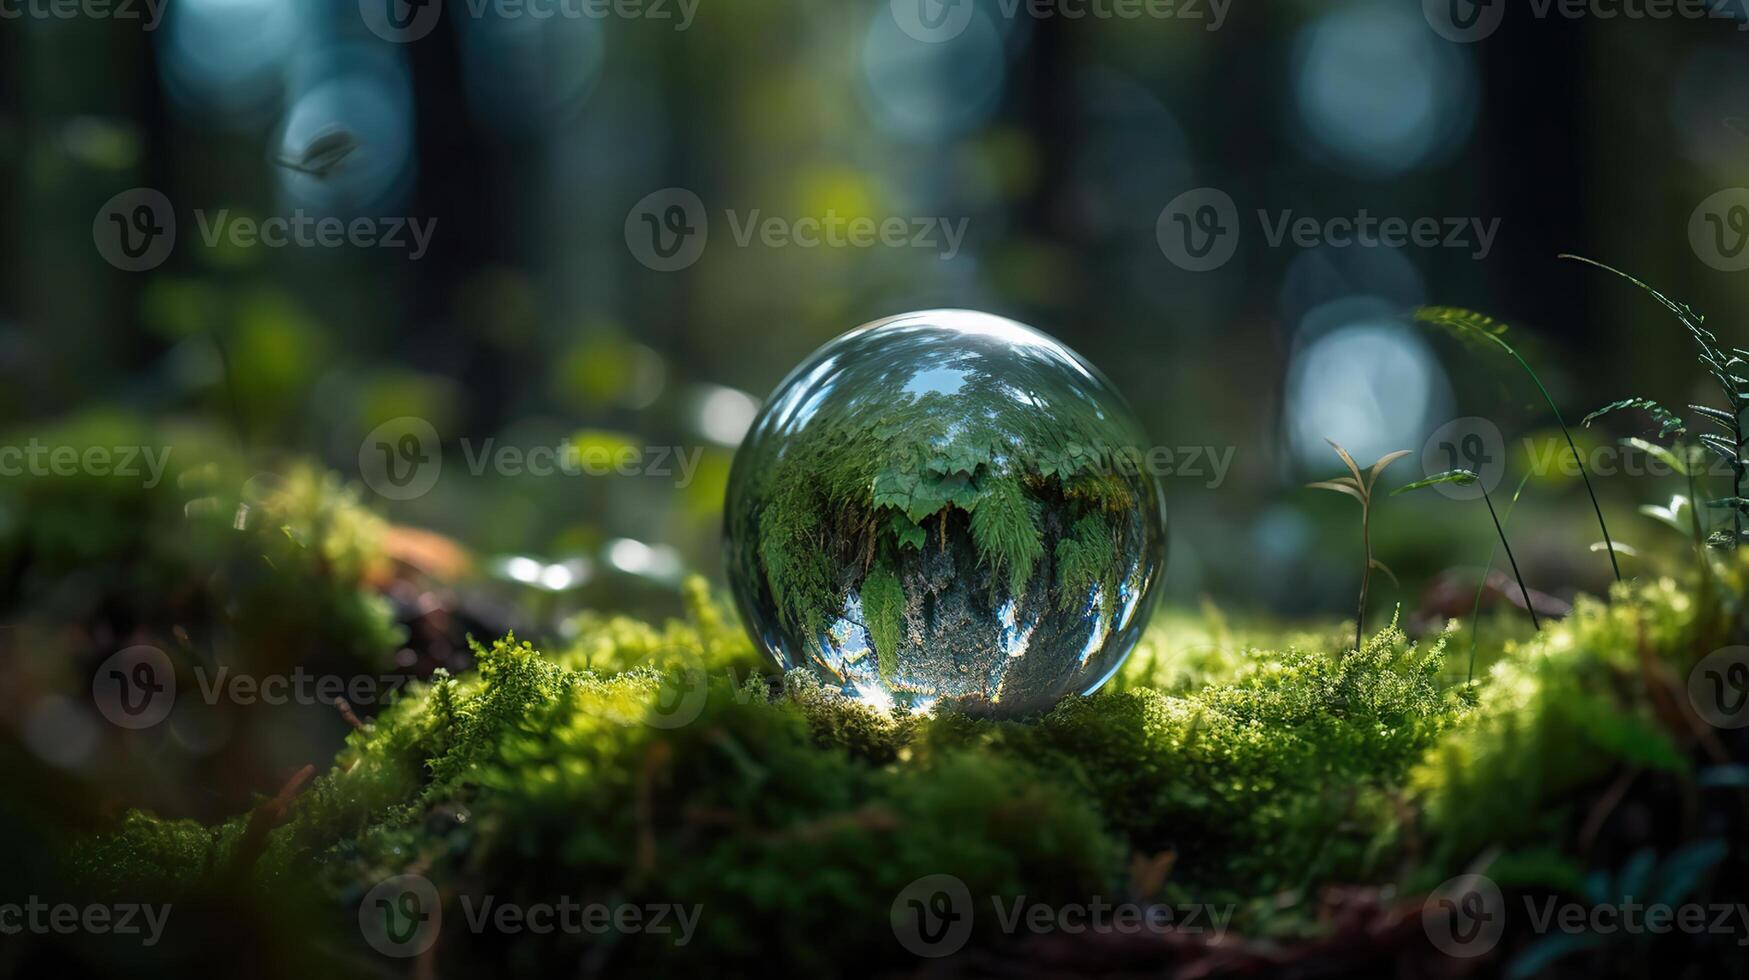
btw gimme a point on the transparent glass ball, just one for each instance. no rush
(946, 508)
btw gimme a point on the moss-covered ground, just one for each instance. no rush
(1313, 797)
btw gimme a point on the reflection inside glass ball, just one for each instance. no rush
(946, 508)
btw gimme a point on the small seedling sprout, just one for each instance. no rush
(1360, 488)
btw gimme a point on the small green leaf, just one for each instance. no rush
(1672, 516)
(906, 531)
(1724, 420)
(1668, 423)
(1659, 453)
(1460, 477)
(1465, 324)
(1724, 448)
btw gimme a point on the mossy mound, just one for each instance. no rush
(1314, 796)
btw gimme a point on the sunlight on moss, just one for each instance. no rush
(1265, 769)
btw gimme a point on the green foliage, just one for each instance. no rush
(1476, 329)
(1729, 369)
(1559, 715)
(1668, 423)
(1087, 558)
(1006, 534)
(1464, 478)
(883, 606)
(865, 480)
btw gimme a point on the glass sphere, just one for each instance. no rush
(946, 508)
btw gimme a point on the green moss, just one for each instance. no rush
(272, 566)
(795, 815)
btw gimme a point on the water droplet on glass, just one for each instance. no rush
(946, 509)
